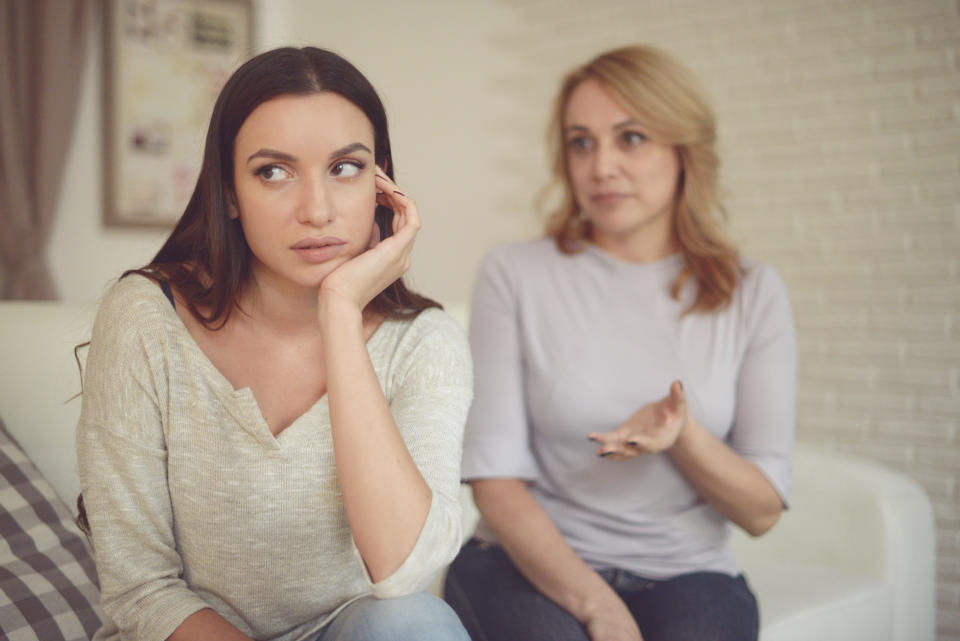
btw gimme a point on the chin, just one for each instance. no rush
(622, 223)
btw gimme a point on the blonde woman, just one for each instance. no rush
(634, 384)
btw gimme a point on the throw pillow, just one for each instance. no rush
(48, 581)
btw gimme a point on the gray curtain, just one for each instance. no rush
(42, 52)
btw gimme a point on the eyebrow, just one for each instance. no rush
(271, 153)
(621, 125)
(279, 155)
(349, 149)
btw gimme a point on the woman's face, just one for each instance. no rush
(305, 195)
(623, 182)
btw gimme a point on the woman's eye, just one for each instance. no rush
(632, 138)
(579, 143)
(346, 169)
(272, 173)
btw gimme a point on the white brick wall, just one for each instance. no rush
(840, 132)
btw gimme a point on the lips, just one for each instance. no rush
(608, 198)
(318, 250)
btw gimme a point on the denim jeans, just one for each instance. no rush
(416, 616)
(496, 603)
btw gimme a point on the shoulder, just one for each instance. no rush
(529, 253)
(762, 296)
(430, 345)
(531, 265)
(134, 302)
(132, 334)
(432, 327)
(760, 282)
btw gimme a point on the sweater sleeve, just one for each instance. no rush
(496, 442)
(763, 427)
(122, 459)
(429, 403)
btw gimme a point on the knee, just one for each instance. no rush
(416, 616)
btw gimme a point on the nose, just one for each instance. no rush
(605, 160)
(314, 207)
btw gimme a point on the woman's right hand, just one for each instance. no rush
(547, 561)
(612, 621)
(364, 276)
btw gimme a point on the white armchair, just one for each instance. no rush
(853, 558)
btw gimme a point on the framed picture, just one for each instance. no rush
(165, 62)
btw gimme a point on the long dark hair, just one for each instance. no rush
(206, 258)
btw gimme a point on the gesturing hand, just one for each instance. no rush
(653, 428)
(364, 276)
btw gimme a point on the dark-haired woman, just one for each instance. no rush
(270, 436)
(634, 324)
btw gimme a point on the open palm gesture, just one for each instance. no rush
(653, 428)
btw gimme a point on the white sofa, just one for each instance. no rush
(852, 560)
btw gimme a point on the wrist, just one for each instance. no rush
(593, 602)
(686, 435)
(338, 311)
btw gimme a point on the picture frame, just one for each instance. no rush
(165, 61)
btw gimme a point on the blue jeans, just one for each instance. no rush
(496, 603)
(416, 616)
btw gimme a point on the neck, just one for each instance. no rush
(281, 307)
(640, 247)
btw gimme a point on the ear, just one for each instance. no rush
(233, 209)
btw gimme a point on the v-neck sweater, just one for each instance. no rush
(194, 503)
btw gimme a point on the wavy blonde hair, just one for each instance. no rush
(666, 98)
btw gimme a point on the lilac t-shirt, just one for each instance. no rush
(564, 345)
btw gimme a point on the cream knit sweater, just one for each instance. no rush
(194, 503)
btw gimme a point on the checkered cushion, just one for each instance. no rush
(48, 586)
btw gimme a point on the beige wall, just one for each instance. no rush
(840, 131)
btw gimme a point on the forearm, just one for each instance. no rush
(206, 625)
(385, 496)
(725, 479)
(539, 551)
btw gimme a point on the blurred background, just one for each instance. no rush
(840, 140)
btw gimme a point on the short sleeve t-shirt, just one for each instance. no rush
(565, 345)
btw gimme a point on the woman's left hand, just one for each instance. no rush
(364, 276)
(655, 427)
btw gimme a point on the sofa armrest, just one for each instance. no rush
(38, 378)
(855, 516)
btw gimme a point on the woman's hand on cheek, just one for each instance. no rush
(653, 428)
(364, 276)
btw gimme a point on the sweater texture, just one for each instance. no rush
(194, 503)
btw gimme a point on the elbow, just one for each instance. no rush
(760, 524)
